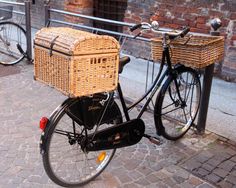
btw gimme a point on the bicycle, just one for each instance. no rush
(13, 45)
(81, 136)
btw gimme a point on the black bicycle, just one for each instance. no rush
(82, 134)
(13, 45)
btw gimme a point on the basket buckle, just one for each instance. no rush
(51, 46)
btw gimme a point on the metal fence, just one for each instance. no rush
(26, 5)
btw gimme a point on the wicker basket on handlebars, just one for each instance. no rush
(77, 63)
(194, 51)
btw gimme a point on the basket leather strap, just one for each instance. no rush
(51, 45)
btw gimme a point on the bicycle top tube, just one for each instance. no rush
(167, 34)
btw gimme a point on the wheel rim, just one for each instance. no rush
(178, 115)
(69, 164)
(11, 36)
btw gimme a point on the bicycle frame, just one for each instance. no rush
(154, 87)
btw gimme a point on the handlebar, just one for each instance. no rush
(154, 26)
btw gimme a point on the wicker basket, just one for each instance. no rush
(75, 62)
(198, 52)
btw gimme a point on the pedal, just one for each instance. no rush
(153, 139)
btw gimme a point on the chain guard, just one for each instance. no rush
(119, 136)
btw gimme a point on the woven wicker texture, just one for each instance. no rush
(83, 72)
(75, 42)
(198, 52)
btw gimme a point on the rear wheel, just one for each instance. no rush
(65, 160)
(178, 103)
(13, 43)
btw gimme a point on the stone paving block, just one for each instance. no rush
(205, 185)
(194, 181)
(208, 167)
(233, 159)
(142, 182)
(231, 151)
(225, 184)
(135, 175)
(201, 158)
(214, 162)
(169, 181)
(222, 156)
(162, 174)
(202, 172)
(187, 185)
(131, 164)
(144, 170)
(231, 179)
(221, 172)
(131, 185)
(191, 165)
(213, 178)
(178, 179)
(227, 165)
(152, 178)
(233, 172)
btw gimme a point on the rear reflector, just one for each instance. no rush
(43, 122)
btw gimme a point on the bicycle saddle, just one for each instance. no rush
(122, 62)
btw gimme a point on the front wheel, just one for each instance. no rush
(177, 104)
(65, 158)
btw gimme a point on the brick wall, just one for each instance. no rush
(170, 13)
(196, 14)
(79, 6)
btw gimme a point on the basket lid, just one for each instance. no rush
(75, 42)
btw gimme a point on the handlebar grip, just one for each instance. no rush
(135, 27)
(185, 31)
(33, 2)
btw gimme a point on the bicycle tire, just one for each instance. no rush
(66, 165)
(173, 117)
(13, 44)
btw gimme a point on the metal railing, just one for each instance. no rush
(27, 14)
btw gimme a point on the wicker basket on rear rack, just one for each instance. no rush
(195, 52)
(77, 63)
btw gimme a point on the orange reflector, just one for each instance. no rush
(43, 122)
(101, 157)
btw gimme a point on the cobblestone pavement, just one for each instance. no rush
(194, 161)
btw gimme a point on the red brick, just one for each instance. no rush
(201, 20)
(129, 20)
(136, 18)
(190, 17)
(225, 22)
(172, 26)
(193, 10)
(197, 30)
(192, 24)
(180, 9)
(218, 14)
(160, 18)
(180, 22)
(233, 37)
(233, 16)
